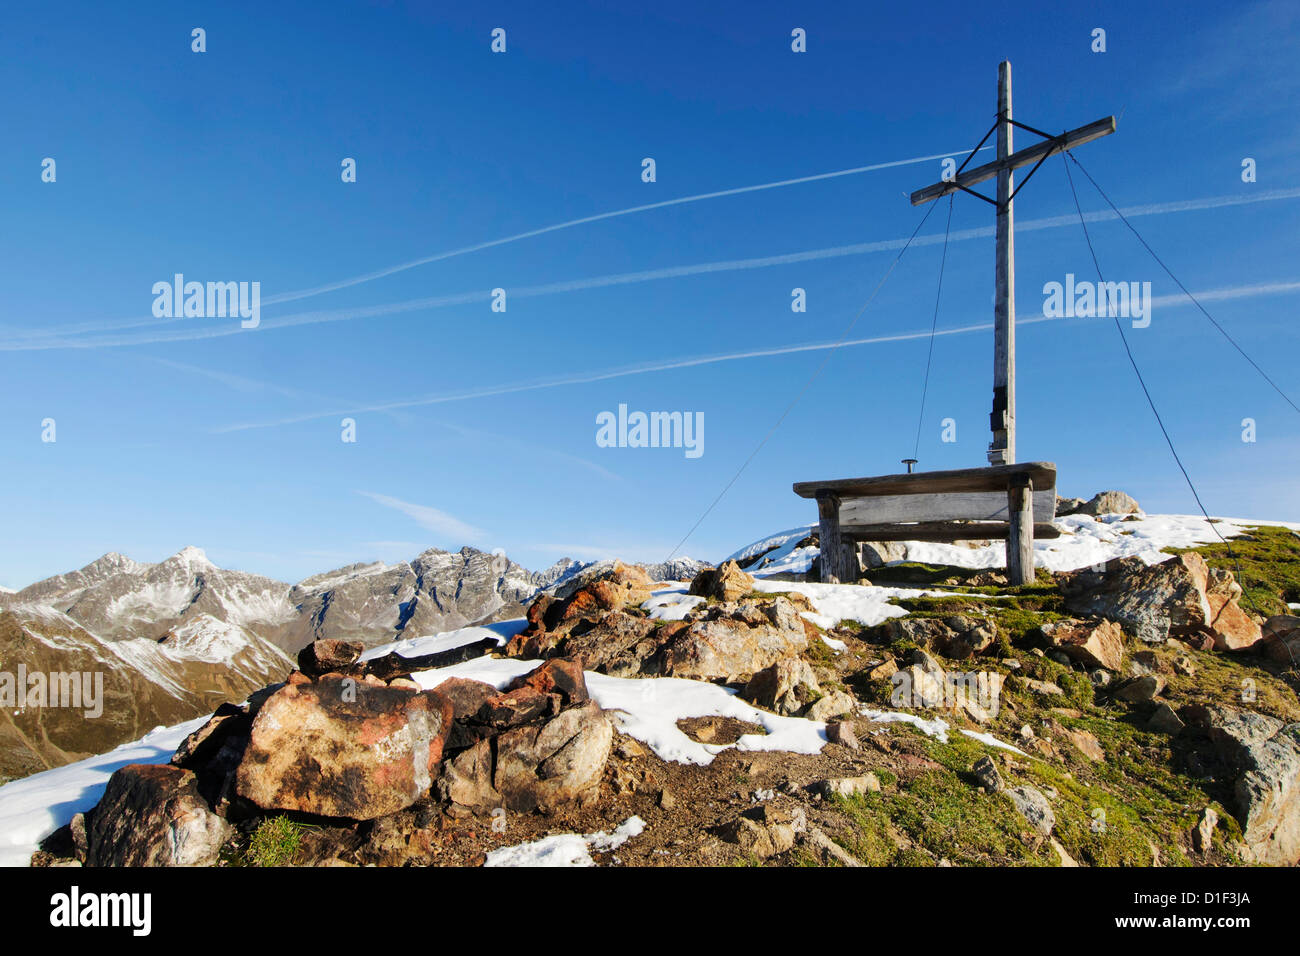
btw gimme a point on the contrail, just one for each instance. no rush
(466, 250)
(631, 210)
(672, 272)
(1274, 288)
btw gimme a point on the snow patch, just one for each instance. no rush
(566, 849)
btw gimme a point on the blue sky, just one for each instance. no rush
(478, 427)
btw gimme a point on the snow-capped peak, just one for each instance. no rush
(191, 557)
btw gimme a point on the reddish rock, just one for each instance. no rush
(466, 696)
(557, 676)
(344, 748)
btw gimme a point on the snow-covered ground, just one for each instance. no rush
(1084, 541)
(647, 709)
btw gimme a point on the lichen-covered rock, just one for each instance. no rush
(1178, 598)
(153, 815)
(732, 640)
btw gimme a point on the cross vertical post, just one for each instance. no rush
(1002, 422)
(1002, 450)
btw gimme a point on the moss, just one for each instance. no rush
(942, 815)
(819, 652)
(1266, 562)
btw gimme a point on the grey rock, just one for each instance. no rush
(1109, 503)
(1034, 807)
(1265, 754)
(986, 774)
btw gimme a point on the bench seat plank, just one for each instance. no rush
(969, 506)
(992, 478)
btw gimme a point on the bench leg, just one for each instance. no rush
(1020, 541)
(835, 558)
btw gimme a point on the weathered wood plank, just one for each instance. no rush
(968, 506)
(1020, 542)
(993, 478)
(835, 556)
(940, 531)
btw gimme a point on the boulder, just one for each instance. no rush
(841, 732)
(575, 607)
(1091, 643)
(734, 639)
(548, 765)
(1154, 602)
(837, 703)
(466, 698)
(1139, 690)
(1265, 754)
(725, 583)
(344, 748)
(153, 815)
(787, 687)
(618, 644)
(1280, 638)
(1165, 720)
(876, 554)
(766, 830)
(847, 786)
(1109, 503)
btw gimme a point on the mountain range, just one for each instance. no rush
(174, 639)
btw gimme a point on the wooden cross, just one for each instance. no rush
(1002, 451)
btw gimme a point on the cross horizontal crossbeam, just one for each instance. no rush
(1031, 154)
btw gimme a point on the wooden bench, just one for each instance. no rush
(1015, 503)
